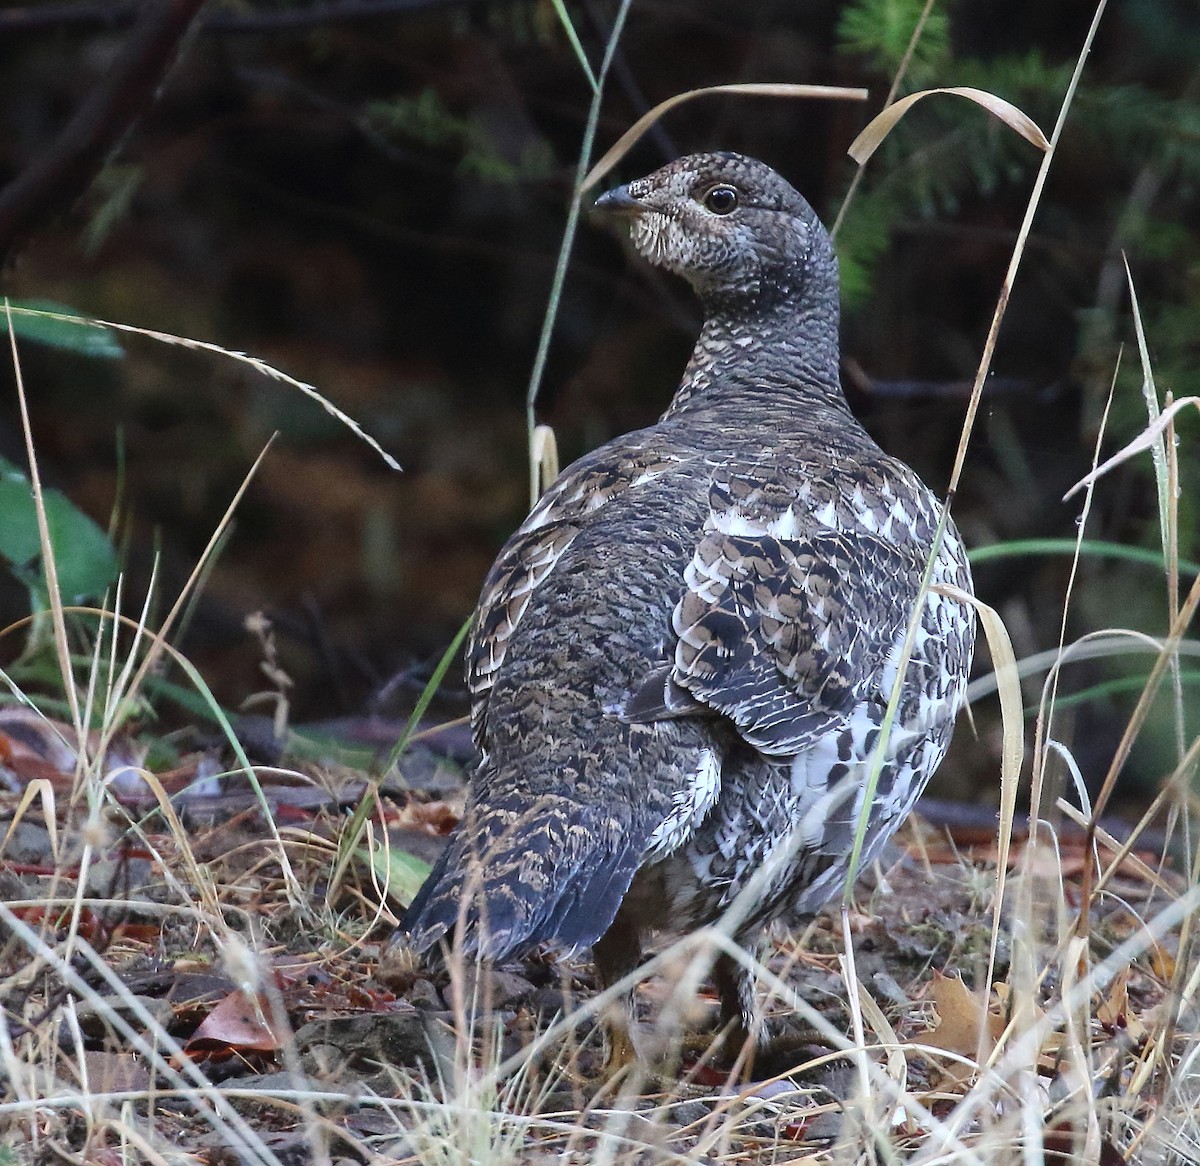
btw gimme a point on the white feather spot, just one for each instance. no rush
(647, 476)
(542, 513)
(689, 807)
(827, 515)
(734, 522)
(785, 527)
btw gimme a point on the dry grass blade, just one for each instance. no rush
(854, 991)
(893, 89)
(627, 140)
(1164, 455)
(1122, 852)
(544, 456)
(1147, 439)
(44, 792)
(1008, 686)
(1047, 704)
(187, 862)
(869, 140)
(259, 365)
(1010, 276)
(1092, 646)
(1158, 451)
(49, 565)
(158, 642)
(888, 1041)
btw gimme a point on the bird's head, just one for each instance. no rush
(729, 225)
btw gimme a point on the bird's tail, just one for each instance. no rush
(554, 872)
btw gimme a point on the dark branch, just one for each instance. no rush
(62, 172)
(62, 15)
(117, 15)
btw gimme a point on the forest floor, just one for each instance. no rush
(191, 975)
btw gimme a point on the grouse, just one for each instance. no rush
(682, 659)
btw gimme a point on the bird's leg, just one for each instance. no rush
(734, 1042)
(767, 1053)
(735, 989)
(617, 953)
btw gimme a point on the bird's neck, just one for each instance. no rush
(783, 350)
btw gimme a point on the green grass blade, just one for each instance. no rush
(427, 694)
(55, 325)
(568, 241)
(400, 872)
(1110, 688)
(569, 28)
(1066, 546)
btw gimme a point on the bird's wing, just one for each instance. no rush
(790, 613)
(525, 562)
(528, 558)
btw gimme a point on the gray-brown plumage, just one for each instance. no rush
(682, 659)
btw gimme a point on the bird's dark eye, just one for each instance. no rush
(721, 200)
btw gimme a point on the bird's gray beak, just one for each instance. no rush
(619, 201)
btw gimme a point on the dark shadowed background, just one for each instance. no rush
(370, 196)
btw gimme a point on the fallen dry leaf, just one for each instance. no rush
(239, 1024)
(1162, 963)
(961, 1016)
(429, 817)
(107, 1072)
(38, 748)
(1113, 1011)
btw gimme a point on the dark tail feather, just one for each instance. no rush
(528, 889)
(417, 916)
(585, 909)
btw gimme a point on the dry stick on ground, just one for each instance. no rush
(66, 168)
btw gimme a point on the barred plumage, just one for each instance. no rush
(681, 660)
